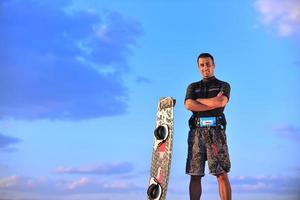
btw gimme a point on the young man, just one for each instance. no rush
(207, 139)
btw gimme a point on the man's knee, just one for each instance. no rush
(195, 178)
(222, 177)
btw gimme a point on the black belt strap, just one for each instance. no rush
(194, 121)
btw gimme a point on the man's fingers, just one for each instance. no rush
(220, 93)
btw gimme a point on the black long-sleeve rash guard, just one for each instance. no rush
(208, 88)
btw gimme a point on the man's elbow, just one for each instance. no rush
(188, 104)
(223, 102)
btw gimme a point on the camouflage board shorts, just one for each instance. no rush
(208, 143)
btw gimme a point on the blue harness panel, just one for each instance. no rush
(208, 121)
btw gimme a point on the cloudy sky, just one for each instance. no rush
(80, 81)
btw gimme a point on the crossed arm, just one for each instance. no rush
(206, 104)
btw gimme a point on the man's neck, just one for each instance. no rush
(209, 78)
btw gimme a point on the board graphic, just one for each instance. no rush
(162, 150)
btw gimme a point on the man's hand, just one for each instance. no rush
(220, 94)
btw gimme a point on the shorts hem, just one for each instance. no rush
(218, 173)
(195, 174)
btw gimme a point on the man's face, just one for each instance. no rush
(206, 67)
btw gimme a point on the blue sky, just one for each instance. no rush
(80, 82)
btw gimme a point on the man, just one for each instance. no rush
(207, 139)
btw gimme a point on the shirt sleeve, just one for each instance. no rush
(226, 90)
(190, 94)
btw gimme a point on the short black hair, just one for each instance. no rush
(205, 55)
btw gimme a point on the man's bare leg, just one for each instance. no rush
(195, 187)
(224, 186)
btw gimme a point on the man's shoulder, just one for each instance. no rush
(193, 84)
(222, 82)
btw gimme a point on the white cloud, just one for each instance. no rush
(45, 188)
(243, 185)
(117, 185)
(82, 60)
(8, 181)
(254, 187)
(287, 131)
(104, 168)
(78, 183)
(283, 15)
(266, 184)
(81, 185)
